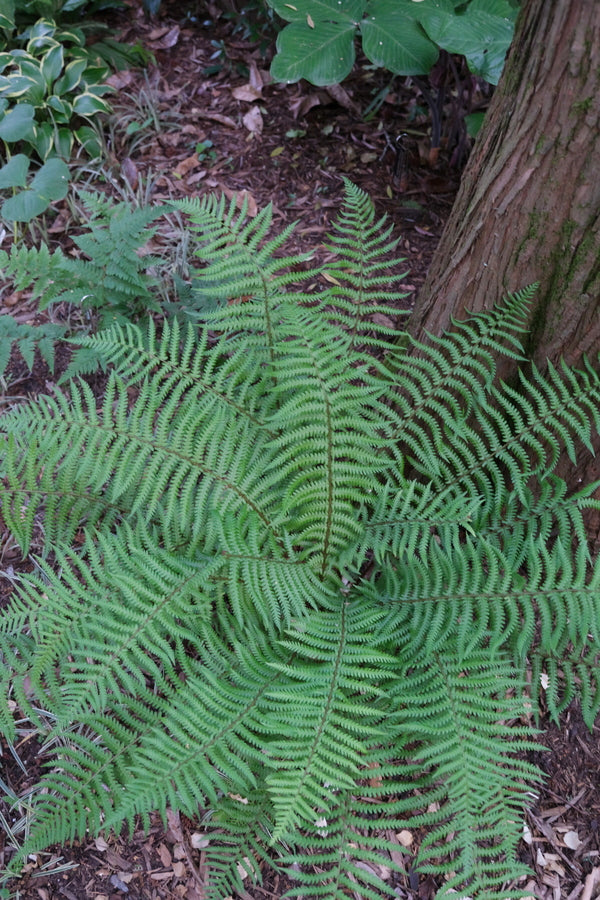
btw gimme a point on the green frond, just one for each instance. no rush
(360, 277)
(110, 275)
(457, 713)
(323, 725)
(238, 262)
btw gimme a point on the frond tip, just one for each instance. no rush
(298, 576)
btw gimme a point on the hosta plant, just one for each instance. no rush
(404, 36)
(302, 582)
(50, 91)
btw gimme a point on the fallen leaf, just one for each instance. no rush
(341, 96)
(120, 80)
(405, 838)
(258, 77)
(253, 120)
(186, 165)
(130, 172)
(199, 841)
(571, 840)
(241, 197)
(246, 92)
(299, 106)
(213, 116)
(165, 38)
(244, 868)
(165, 857)
(174, 823)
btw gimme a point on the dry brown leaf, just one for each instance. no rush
(130, 172)
(253, 120)
(166, 38)
(258, 77)
(341, 96)
(186, 165)
(246, 92)
(120, 80)
(241, 196)
(165, 857)
(405, 838)
(199, 841)
(299, 106)
(213, 116)
(571, 839)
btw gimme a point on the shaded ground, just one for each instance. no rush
(203, 119)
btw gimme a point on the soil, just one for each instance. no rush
(204, 117)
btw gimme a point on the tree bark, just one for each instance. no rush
(529, 205)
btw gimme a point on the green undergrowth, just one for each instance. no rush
(300, 581)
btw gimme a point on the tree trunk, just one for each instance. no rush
(529, 205)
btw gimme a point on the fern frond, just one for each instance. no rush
(113, 279)
(360, 276)
(26, 338)
(461, 714)
(239, 263)
(318, 750)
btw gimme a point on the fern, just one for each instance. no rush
(296, 586)
(26, 338)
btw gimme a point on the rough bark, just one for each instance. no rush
(529, 204)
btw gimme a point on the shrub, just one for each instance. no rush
(304, 581)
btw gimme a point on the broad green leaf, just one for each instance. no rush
(17, 124)
(23, 207)
(320, 10)
(40, 34)
(43, 141)
(322, 56)
(15, 85)
(71, 5)
(473, 122)
(392, 38)
(52, 64)
(71, 36)
(71, 76)
(94, 75)
(50, 183)
(35, 93)
(7, 15)
(482, 37)
(14, 173)
(89, 140)
(63, 142)
(87, 104)
(61, 110)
